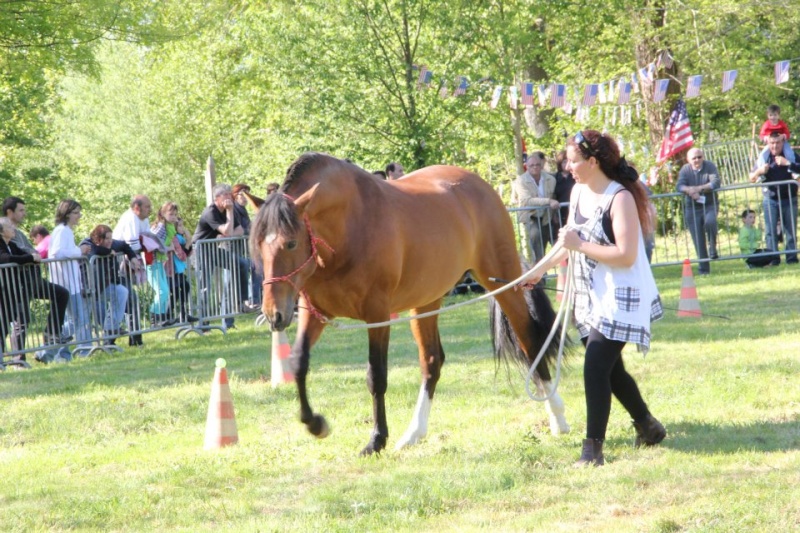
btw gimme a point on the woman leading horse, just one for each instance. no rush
(352, 245)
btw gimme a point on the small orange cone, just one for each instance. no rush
(281, 371)
(221, 423)
(561, 280)
(688, 304)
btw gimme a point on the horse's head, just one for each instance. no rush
(282, 244)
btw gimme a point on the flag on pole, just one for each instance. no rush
(462, 86)
(728, 79)
(590, 94)
(496, 96)
(693, 86)
(660, 91)
(558, 92)
(678, 136)
(527, 94)
(624, 92)
(781, 72)
(512, 97)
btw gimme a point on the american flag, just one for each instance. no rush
(443, 91)
(728, 79)
(462, 86)
(542, 90)
(590, 94)
(635, 82)
(665, 59)
(496, 96)
(781, 72)
(624, 92)
(601, 92)
(644, 74)
(425, 76)
(693, 86)
(512, 97)
(527, 94)
(678, 136)
(558, 93)
(660, 91)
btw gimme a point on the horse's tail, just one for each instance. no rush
(505, 343)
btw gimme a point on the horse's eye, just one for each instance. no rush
(291, 245)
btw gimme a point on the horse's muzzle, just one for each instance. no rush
(279, 321)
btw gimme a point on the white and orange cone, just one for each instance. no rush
(281, 371)
(561, 280)
(688, 305)
(221, 423)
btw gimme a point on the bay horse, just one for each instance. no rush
(350, 244)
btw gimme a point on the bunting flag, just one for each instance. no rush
(512, 97)
(542, 95)
(496, 96)
(664, 59)
(635, 82)
(527, 94)
(728, 79)
(602, 93)
(693, 86)
(678, 136)
(624, 92)
(612, 90)
(660, 91)
(558, 93)
(462, 86)
(443, 91)
(425, 76)
(589, 94)
(781, 72)
(644, 74)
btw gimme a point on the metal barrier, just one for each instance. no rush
(734, 159)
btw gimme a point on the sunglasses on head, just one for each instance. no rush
(581, 141)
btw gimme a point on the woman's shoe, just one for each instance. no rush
(592, 454)
(649, 432)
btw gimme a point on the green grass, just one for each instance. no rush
(114, 443)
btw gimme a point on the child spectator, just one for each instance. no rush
(750, 239)
(774, 124)
(41, 239)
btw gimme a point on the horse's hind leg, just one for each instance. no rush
(431, 358)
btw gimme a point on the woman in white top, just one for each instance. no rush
(616, 298)
(67, 272)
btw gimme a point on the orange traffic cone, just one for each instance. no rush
(221, 422)
(561, 280)
(688, 304)
(281, 352)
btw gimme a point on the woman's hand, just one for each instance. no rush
(569, 239)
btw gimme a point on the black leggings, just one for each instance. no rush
(604, 374)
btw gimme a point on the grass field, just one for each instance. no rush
(114, 443)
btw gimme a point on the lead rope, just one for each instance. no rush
(562, 319)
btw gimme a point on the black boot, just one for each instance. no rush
(592, 453)
(649, 431)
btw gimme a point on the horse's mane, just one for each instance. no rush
(276, 216)
(300, 166)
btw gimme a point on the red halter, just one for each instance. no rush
(314, 240)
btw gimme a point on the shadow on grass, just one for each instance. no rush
(713, 439)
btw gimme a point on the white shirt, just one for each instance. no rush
(129, 228)
(62, 246)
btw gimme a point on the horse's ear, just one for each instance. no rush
(305, 201)
(254, 201)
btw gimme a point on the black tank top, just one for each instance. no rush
(608, 227)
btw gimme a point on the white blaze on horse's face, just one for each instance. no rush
(283, 257)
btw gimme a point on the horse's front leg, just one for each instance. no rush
(309, 330)
(376, 383)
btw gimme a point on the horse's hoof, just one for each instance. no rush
(319, 427)
(376, 444)
(558, 427)
(407, 440)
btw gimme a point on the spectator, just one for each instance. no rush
(616, 298)
(780, 201)
(535, 188)
(697, 180)
(170, 228)
(16, 291)
(240, 247)
(219, 220)
(774, 124)
(14, 210)
(272, 188)
(394, 171)
(67, 271)
(41, 239)
(750, 241)
(240, 206)
(130, 227)
(564, 184)
(108, 286)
